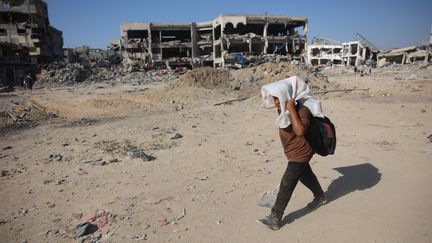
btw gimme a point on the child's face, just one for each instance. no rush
(276, 102)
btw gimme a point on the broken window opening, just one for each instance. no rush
(176, 52)
(277, 48)
(218, 52)
(3, 31)
(139, 34)
(205, 35)
(276, 30)
(155, 36)
(176, 35)
(337, 50)
(395, 59)
(202, 51)
(217, 32)
(156, 50)
(242, 29)
(337, 62)
(352, 61)
(314, 62)
(368, 54)
(238, 48)
(354, 49)
(315, 52)
(326, 50)
(257, 48)
(21, 31)
(295, 30)
(324, 61)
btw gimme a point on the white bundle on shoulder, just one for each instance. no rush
(290, 88)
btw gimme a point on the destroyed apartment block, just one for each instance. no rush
(355, 53)
(359, 52)
(324, 52)
(404, 55)
(228, 40)
(26, 38)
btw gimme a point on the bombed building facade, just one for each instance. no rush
(228, 40)
(324, 52)
(26, 38)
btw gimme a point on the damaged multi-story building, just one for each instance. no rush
(26, 38)
(324, 52)
(228, 40)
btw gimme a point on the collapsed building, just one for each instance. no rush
(356, 53)
(26, 38)
(404, 55)
(324, 52)
(228, 40)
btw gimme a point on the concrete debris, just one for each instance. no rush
(55, 181)
(124, 149)
(55, 157)
(139, 237)
(19, 114)
(85, 229)
(177, 136)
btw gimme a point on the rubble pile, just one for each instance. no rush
(251, 77)
(24, 114)
(205, 77)
(413, 71)
(93, 65)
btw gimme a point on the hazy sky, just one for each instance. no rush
(385, 23)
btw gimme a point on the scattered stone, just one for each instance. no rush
(177, 136)
(57, 181)
(113, 160)
(201, 178)
(7, 147)
(55, 157)
(125, 149)
(430, 138)
(85, 229)
(140, 237)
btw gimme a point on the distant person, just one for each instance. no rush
(293, 122)
(28, 80)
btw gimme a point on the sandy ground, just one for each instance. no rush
(204, 186)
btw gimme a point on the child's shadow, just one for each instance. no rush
(356, 177)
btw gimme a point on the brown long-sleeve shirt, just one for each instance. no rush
(296, 148)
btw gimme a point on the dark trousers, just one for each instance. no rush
(295, 171)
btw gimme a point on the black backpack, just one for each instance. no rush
(321, 135)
